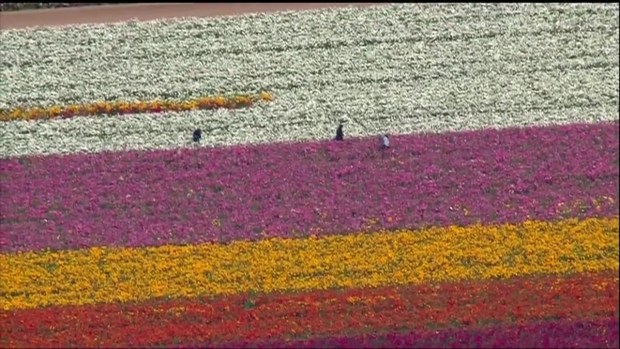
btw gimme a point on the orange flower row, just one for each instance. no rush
(124, 107)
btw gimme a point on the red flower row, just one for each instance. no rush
(273, 316)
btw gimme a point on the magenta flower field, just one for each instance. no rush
(180, 197)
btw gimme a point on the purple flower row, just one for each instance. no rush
(252, 192)
(593, 333)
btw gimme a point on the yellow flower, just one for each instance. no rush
(220, 101)
(266, 96)
(357, 260)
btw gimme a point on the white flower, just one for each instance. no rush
(397, 69)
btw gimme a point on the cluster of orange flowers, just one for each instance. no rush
(123, 107)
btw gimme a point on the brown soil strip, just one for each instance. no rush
(144, 12)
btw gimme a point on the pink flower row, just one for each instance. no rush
(253, 192)
(591, 333)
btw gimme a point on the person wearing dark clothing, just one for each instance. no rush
(197, 135)
(339, 133)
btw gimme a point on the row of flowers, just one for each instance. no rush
(319, 188)
(575, 333)
(323, 68)
(125, 107)
(102, 275)
(255, 50)
(252, 317)
(276, 122)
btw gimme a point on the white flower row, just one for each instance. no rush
(399, 69)
(188, 58)
(174, 130)
(313, 116)
(283, 70)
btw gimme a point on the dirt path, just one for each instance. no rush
(119, 13)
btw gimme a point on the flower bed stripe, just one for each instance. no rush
(102, 275)
(124, 107)
(325, 45)
(286, 190)
(467, 65)
(272, 123)
(278, 316)
(574, 333)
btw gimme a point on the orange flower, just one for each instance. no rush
(113, 108)
(220, 101)
(55, 111)
(108, 108)
(17, 113)
(36, 113)
(91, 109)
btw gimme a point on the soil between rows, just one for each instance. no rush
(145, 12)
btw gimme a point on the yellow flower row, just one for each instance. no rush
(124, 107)
(363, 260)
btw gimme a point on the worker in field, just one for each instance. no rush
(197, 135)
(385, 141)
(339, 133)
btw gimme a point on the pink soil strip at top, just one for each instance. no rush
(581, 333)
(144, 12)
(286, 190)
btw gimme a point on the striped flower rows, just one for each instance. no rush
(101, 275)
(124, 107)
(467, 232)
(245, 318)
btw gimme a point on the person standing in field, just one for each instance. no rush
(197, 135)
(339, 133)
(385, 141)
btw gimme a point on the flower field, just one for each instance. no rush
(103, 108)
(491, 221)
